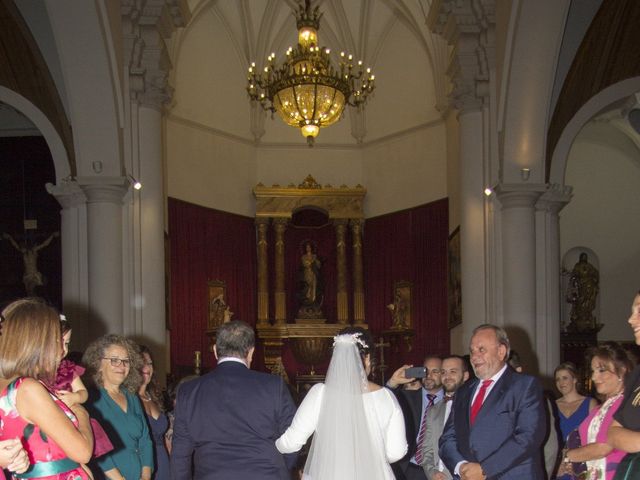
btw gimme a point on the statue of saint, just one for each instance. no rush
(583, 290)
(310, 290)
(398, 311)
(219, 312)
(31, 278)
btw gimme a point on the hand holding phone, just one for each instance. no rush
(415, 372)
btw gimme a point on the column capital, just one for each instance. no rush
(519, 194)
(262, 221)
(68, 193)
(554, 198)
(146, 26)
(104, 189)
(469, 26)
(280, 221)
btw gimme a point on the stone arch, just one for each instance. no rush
(592, 107)
(42, 122)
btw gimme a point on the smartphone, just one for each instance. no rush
(415, 372)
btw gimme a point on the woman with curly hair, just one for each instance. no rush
(114, 364)
(153, 406)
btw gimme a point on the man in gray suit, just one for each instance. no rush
(454, 374)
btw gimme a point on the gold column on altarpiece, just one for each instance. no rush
(358, 276)
(263, 271)
(341, 264)
(279, 225)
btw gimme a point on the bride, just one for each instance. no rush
(358, 425)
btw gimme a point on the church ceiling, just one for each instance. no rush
(211, 57)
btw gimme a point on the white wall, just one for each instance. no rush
(406, 171)
(207, 168)
(604, 170)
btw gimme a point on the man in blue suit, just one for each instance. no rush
(228, 420)
(498, 421)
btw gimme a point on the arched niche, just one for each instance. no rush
(276, 208)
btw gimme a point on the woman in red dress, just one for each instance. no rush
(57, 438)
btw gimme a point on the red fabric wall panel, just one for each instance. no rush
(409, 245)
(207, 244)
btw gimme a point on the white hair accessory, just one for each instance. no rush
(351, 338)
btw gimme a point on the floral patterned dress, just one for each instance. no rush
(47, 459)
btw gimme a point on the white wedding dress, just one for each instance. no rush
(385, 424)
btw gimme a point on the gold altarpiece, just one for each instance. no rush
(310, 340)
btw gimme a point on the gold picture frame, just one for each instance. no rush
(454, 290)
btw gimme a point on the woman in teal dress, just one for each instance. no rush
(114, 364)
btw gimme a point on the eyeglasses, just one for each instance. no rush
(116, 362)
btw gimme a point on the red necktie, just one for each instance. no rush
(423, 428)
(477, 403)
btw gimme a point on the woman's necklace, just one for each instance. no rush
(145, 397)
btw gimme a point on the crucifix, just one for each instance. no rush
(381, 345)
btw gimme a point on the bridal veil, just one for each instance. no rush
(343, 447)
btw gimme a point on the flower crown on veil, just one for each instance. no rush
(350, 338)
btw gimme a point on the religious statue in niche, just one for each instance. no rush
(310, 283)
(583, 290)
(401, 307)
(219, 311)
(31, 278)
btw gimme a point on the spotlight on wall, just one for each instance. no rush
(136, 184)
(525, 172)
(488, 191)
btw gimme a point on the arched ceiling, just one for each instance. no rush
(211, 55)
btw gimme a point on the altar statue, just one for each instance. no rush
(31, 278)
(219, 312)
(398, 311)
(583, 291)
(310, 290)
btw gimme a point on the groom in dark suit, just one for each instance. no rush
(229, 419)
(498, 422)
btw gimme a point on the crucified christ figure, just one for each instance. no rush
(31, 278)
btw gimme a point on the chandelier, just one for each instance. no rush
(307, 91)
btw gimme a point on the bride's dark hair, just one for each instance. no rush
(365, 342)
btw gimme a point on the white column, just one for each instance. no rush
(150, 292)
(519, 267)
(472, 225)
(73, 237)
(548, 277)
(104, 240)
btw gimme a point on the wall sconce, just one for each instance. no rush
(488, 191)
(136, 184)
(525, 172)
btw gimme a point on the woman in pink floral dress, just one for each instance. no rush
(57, 438)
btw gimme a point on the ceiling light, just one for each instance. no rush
(307, 91)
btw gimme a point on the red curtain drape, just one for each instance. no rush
(207, 245)
(409, 245)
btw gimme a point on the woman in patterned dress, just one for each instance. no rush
(609, 366)
(58, 439)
